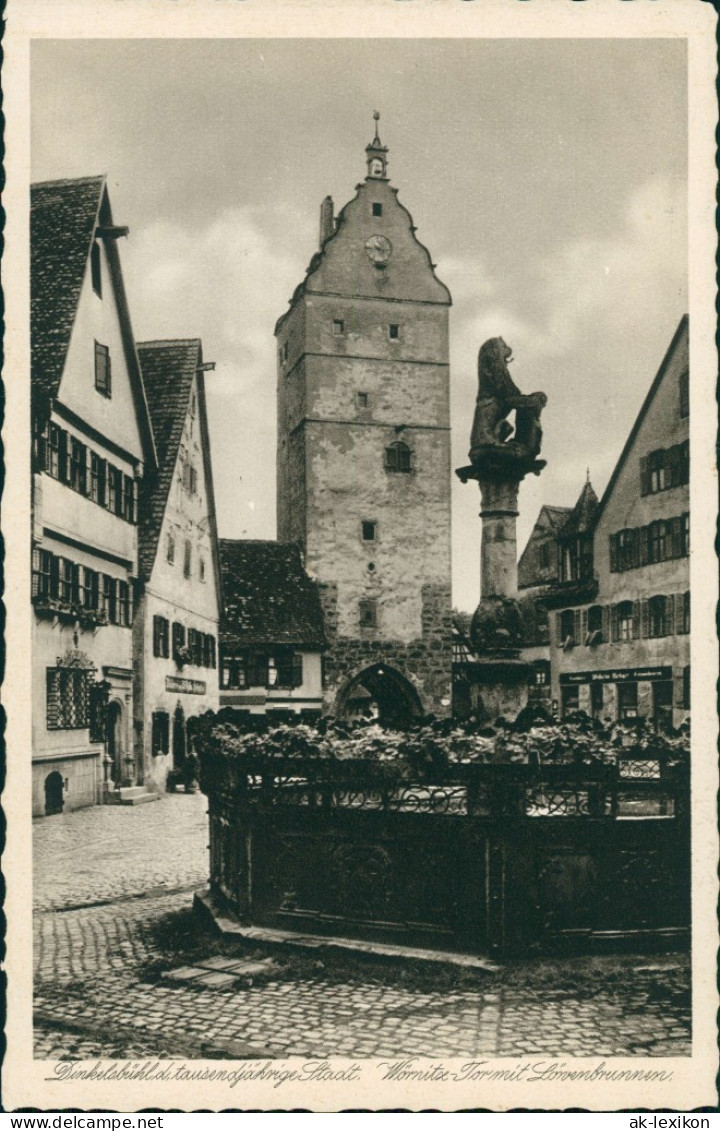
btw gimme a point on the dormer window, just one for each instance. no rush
(96, 268)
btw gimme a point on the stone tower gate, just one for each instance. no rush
(364, 450)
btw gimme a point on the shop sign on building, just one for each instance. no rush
(615, 675)
(186, 686)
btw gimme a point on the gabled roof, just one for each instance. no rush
(557, 516)
(169, 369)
(63, 218)
(268, 597)
(681, 332)
(581, 518)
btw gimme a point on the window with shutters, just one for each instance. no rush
(196, 648)
(665, 468)
(124, 605)
(161, 637)
(103, 381)
(284, 669)
(160, 733)
(109, 598)
(67, 698)
(208, 651)
(234, 670)
(398, 457)
(57, 453)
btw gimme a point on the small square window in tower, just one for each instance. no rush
(394, 331)
(338, 327)
(367, 609)
(363, 400)
(369, 531)
(377, 208)
(398, 457)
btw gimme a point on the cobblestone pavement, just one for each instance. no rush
(110, 851)
(100, 990)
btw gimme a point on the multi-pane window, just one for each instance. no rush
(161, 637)
(625, 621)
(103, 380)
(398, 457)
(109, 598)
(234, 671)
(124, 604)
(576, 558)
(658, 616)
(67, 698)
(115, 490)
(367, 612)
(45, 574)
(78, 466)
(68, 582)
(665, 468)
(129, 508)
(98, 479)
(57, 452)
(90, 589)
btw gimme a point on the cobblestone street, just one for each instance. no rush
(113, 892)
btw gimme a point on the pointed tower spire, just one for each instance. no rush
(376, 154)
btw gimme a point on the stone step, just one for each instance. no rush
(131, 795)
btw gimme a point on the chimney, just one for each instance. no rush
(327, 219)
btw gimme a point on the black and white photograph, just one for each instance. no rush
(364, 381)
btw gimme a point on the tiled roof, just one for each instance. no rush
(63, 217)
(168, 370)
(557, 515)
(583, 513)
(268, 597)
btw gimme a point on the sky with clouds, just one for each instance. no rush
(546, 177)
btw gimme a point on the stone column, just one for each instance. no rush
(498, 548)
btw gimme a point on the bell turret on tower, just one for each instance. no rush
(376, 155)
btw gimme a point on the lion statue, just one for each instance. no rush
(497, 396)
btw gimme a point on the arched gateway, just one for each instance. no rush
(379, 692)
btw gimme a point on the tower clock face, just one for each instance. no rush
(379, 250)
